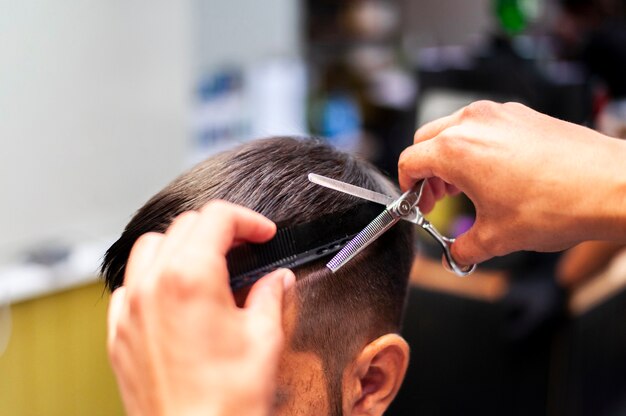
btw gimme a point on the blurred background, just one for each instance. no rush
(104, 102)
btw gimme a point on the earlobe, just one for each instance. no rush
(376, 376)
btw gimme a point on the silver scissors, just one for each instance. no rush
(403, 208)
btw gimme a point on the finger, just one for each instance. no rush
(266, 296)
(427, 201)
(432, 129)
(417, 162)
(182, 223)
(438, 187)
(177, 232)
(142, 257)
(116, 306)
(177, 236)
(222, 223)
(469, 249)
(279, 280)
(451, 189)
(199, 265)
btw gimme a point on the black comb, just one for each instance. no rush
(297, 245)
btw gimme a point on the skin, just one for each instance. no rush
(158, 327)
(584, 261)
(537, 183)
(369, 382)
(301, 388)
(241, 357)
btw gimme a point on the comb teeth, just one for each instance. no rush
(249, 258)
(379, 225)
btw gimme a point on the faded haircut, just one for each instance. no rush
(338, 313)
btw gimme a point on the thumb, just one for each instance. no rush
(417, 162)
(469, 248)
(266, 295)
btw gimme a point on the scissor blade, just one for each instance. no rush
(374, 229)
(349, 189)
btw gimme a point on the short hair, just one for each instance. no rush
(338, 313)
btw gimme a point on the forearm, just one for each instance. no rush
(620, 215)
(610, 200)
(585, 261)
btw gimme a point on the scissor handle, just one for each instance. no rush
(446, 243)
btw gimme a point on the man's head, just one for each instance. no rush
(343, 354)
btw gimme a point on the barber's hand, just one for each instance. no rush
(537, 183)
(177, 342)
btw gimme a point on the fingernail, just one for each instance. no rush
(270, 226)
(289, 279)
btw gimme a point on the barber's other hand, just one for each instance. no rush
(537, 183)
(177, 342)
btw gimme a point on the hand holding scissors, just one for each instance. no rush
(403, 208)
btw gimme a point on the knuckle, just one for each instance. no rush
(449, 141)
(172, 272)
(458, 143)
(488, 241)
(113, 343)
(140, 246)
(185, 216)
(138, 315)
(136, 301)
(479, 109)
(403, 160)
(514, 110)
(417, 137)
(215, 207)
(183, 277)
(512, 105)
(177, 285)
(147, 238)
(117, 348)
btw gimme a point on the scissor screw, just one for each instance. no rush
(405, 207)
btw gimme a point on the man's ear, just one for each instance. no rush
(374, 378)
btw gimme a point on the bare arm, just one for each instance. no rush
(537, 183)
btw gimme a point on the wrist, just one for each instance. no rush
(619, 216)
(611, 203)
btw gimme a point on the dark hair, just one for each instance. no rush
(339, 313)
